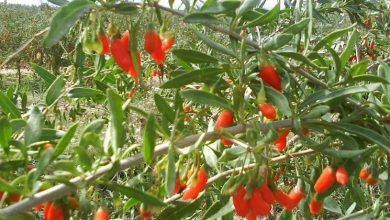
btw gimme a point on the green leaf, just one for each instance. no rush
(336, 58)
(361, 132)
(214, 45)
(278, 41)
(5, 187)
(136, 194)
(125, 8)
(220, 7)
(117, 118)
(206, 98)
(316, 112)
(58, 2)
(348, 49)
(246, 6)
(297, 27)
(210, 157)
(179, 210)
(17, 124)
(149, 139)
(80, 92)
(170, 171)
(199, 75)
(218, 206)
(344, 153)
(33, 130)
(54, 91)
(164, 108)
(301, 58)
(266, 18)
(43, 162)
(64, 141)
(359, 68)
(85, 159)
(51, 134)
(193, 56)
(8, 107)
(328, 39)
(64, 19)
(323, 96)
(369, 78)
(96, 126)
(5, 133)
(43, 73)
(278, 99)
(11, 165)
(201, 18)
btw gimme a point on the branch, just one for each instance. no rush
(61, 190)
(10, 57)
(361, 212)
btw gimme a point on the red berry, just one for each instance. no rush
(38, 207)
(281, 142)
(283, 199)
(153, 45)
(295, 195)
(250, 216)
(105, 42)
(55, 213)
(202, 178)
(258, 205)
(225, 119)
(131, 93)
(315, 206)
(101, 214)
(342, 175)
(267, 110)
(179, 185)
(240, 204)
(187, 109)
(226, 141)
(363, 174)
(325, 180)
(14, 197)
(145, 214)
(167, 43)
(269, 75)
(371, 180)
(123, 58)
(46, 210)
(266, 193)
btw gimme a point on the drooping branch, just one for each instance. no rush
(61, 190)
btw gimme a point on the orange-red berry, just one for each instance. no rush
(269, 75)
(267, 110)
(325, 180)
(315, 206)
(342, 175)
(101, 214)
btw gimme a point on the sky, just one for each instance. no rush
(268, 4)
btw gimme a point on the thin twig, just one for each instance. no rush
(361, 212)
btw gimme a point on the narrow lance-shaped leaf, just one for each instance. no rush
(266, 18)
(170, 171)
(8, 107)
(5, 133)
(246, 6)
(54, 90)
(193, 56)
(43, 73)
(64, 141)
(33, 130)
(348, 49)
(64, 19)
(136, 194)
(328, 39)
(164, 108)
(44, 161)
(80, 92)
(214, 45)
(198, 76)
(149, 139)
(117, 117)
(206, 98)
(297, 27)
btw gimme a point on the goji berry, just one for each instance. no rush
(55, 213)
(250, 216)
(325, 180)
(283, 198)
(155, 72)
(190, 193)
(38, 207)
(240, 204)
(269, 75)
(46, 210)
(363, 174)
(267, 110)
(145, 214)
(226, 141)
(101, 214)
(105, 42)
(47, 146)
(14, 197)
(315, 206)
(153, 45)
(266, 193)
(296, 194)
(281, 142)
(179, 185)
(167, 43)
(371, 180)
(225, 119)
(342, 175)
(258, 205)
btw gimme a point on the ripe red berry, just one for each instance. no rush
(225, 119)
(202, 178)
(38, 207)
(131, 93)
(105, 42)
(226, 141)
(167, 43)
(153, 45)
(325, 180)
(194, 188)
(315, 206)
(258, 205)
(14, 197)
(266, 193)
(296, 194)
(55, 213)
(101, 214)
(187, 109)
(155, 72)
(342, 175)
(283, 199)
(371, 180)
(269, 75)
(179, 185)
(267, 110)
(250, 216)
(281, 142)
(123, 58)
(46, 210)
(240, 204)
(145, 214)
(363, 174)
